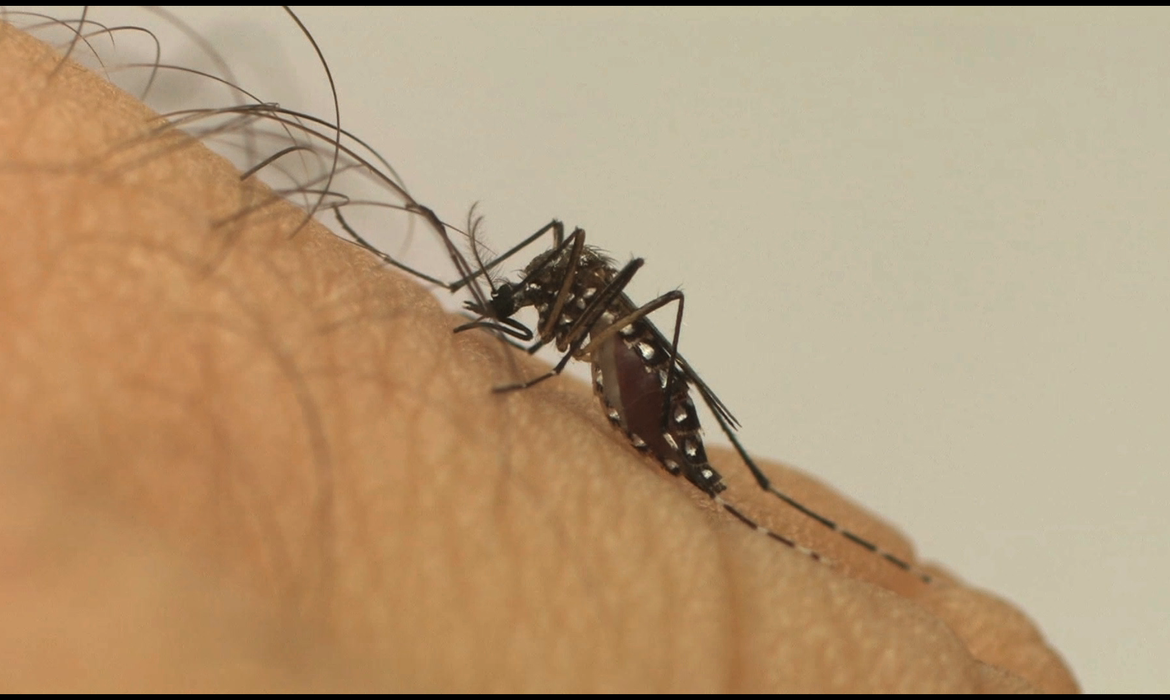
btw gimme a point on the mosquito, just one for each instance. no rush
(643, 383)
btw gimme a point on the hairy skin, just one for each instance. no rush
(237, 458)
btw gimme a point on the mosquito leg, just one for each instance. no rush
(577, 244)
(584, 324)
(640, 313)
(635, 315)
(506, 327)
(739, 515)
(556, 227)
(382, 256)
(513, 343)
(457, 259)
(766, 484)
(560, 367)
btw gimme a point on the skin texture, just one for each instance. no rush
(245, 456)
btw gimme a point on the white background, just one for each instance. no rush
(925, 252)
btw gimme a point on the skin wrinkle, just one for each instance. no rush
(563, 560)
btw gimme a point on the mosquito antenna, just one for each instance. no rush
(766, 484)
(474, 222)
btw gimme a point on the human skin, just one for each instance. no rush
(247, 456)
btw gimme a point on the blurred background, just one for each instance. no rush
(925, 252)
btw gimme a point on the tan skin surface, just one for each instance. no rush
(239, 459)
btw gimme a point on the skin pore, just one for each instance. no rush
(238, 453)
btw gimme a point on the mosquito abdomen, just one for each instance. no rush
(630, 378)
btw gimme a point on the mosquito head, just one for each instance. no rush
(506, 300)
(497, 312)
